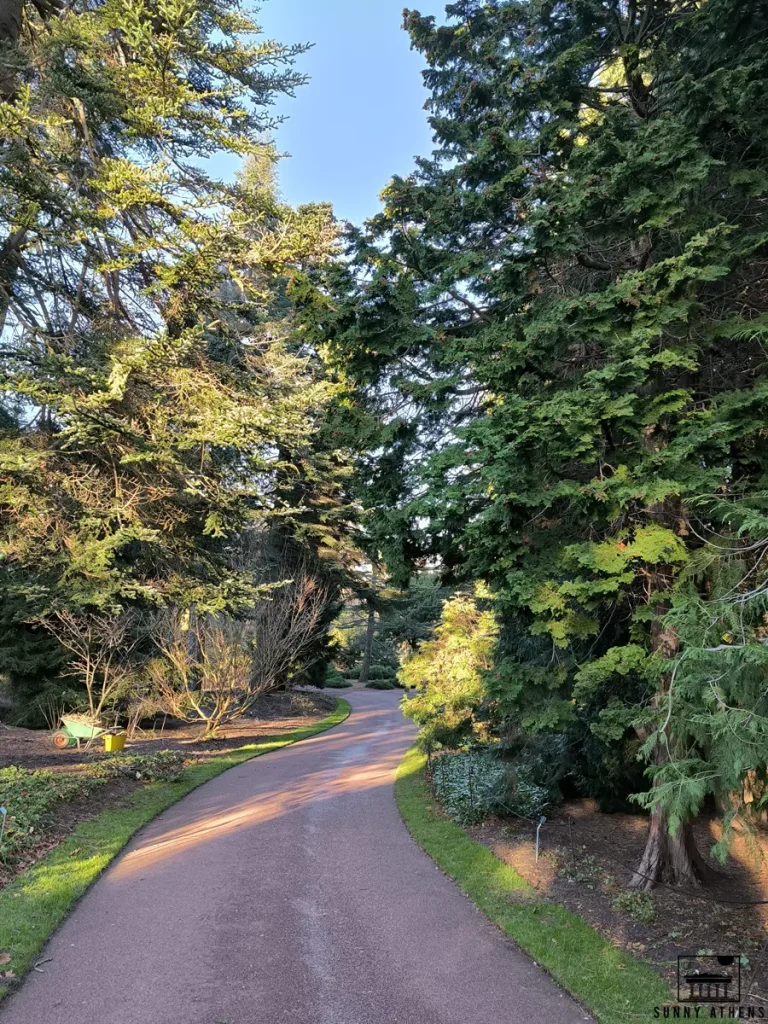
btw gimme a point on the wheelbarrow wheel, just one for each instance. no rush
(61, 739)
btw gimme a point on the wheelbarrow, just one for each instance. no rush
(73, 732)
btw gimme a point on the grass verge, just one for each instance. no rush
(35, 904)
(614, 986)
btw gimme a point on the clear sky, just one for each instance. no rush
(360, 118)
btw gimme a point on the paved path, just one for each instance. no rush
(287, 891)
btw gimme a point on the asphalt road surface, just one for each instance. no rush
(287, 890)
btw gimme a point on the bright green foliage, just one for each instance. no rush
(448, 672)
(562, 318)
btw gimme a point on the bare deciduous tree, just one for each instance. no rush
(288, 625)
(212, 669)
(203, 672)
(100, 645)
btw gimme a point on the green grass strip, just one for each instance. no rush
(612, 984)
(35, 904)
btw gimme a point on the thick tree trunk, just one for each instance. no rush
(673, 859)
(10, 29)
(10, 21)
(11, 12)
(365, 668)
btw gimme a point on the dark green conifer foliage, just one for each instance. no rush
(563, 315)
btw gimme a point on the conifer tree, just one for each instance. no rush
(562, 317)
(157, 398)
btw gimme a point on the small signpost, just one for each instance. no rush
(542, 819)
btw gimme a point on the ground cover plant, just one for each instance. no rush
(31, 798)
(470, 785)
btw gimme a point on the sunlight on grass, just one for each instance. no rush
(613, 985)
(33, 906)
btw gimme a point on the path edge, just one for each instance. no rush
(611, 984)
(34, 905)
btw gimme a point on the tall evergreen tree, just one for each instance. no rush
(156, 396)
(563, 316)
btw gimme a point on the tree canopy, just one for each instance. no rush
(159, 398)
(561, 316)
(538, 375)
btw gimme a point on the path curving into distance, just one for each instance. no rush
(287, 891)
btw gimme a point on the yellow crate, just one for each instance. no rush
(114, 743)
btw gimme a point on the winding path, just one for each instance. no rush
(287, 890)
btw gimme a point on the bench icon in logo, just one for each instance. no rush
(709, 978)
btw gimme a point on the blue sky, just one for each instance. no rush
(360, 118)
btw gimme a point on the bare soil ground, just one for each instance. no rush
(585, 863)
(274, 714)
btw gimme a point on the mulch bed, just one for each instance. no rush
(586, 860)
(272, 715)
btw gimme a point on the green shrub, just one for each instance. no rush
(333, 678)
(639, 905)
(535, 772)
(470, 786)
(29, 797)
(382, 672)
(525, 796)
(381, 684)
(354, 672)
(449, 672)
(160, 766)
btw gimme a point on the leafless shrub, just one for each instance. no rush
(204, 669)
(213, 668)
(287, 626)
(101, 646)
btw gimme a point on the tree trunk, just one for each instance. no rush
(11, 12)
(673, 859)
(668, 858)
(365, 668)
(10, 29)
(10, 21)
